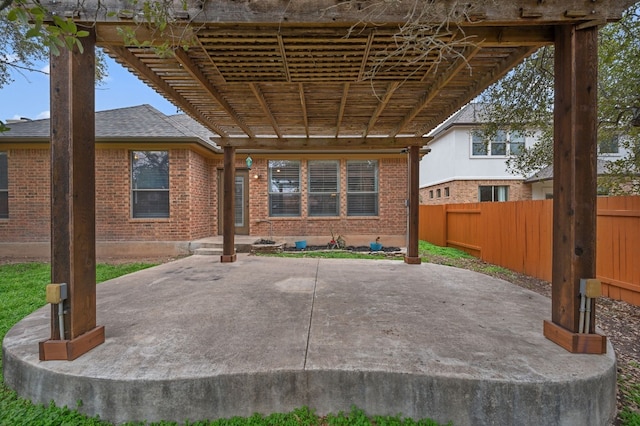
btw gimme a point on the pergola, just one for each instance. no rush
(327, 75)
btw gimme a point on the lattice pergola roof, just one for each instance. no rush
(306, 74)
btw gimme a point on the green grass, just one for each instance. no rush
(22, 287)
(631, 390)
(425, 249)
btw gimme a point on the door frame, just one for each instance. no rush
(240, 173)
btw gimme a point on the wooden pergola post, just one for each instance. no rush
(73, 239)
(574, 186)
(228, 216)
(412, 257)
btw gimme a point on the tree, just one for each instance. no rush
(523, 101)
(17, 52)
(22, 47)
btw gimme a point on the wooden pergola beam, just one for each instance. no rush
(133, 62)
(486, 36)
(413, 256)
(343, 105)
(329, 12)
(255, 88)
(574, 187)
(458, 65)
(322, 143)
(381, 106)
(283, 54)
(209, 88)
(228, 200)
(73, 238)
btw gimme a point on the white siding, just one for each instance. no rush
(450, 159)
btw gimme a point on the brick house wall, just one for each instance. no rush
(466, 191)
(30, 204)
(390, 224)
(200, 214)
(113, 203)
(194, 200)
(29, 196)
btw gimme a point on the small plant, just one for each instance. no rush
(337, 242)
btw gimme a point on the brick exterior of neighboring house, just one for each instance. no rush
(466, 191)
(195, 165)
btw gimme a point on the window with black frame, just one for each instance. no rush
(323, 194)
(149, 184)
(284, 188)
(362, 188)
(493, 193)
(4, 186)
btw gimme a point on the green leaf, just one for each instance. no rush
(82, 34)
(33, 32)
(54, 49)
(80, 46)
(70, 41)
(12, 15)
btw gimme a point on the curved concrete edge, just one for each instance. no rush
(584, 401)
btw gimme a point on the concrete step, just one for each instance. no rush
(241, 247)
(208, 251)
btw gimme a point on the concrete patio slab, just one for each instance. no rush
(198, 339)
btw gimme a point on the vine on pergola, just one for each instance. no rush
(432, 33)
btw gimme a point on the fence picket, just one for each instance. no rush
(518, 236)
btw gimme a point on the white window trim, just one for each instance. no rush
(488, 155)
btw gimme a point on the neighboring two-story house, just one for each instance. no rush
(464, 168)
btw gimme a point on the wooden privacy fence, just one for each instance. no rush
(518, 236)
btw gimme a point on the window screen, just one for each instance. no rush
(284, 188)
(516, 143)
(323, 188)
(150, 184)
(4, 186)
(609, 145)
(499, 144)
(362, 188)
(478, 144)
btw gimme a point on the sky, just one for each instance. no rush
(28, 95)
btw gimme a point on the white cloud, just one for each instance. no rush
(43, 115)
(45, 69)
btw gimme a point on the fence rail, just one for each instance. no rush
(518, 236)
